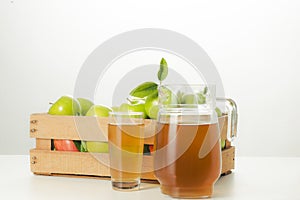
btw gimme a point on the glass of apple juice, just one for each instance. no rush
(125, 137)
(187, 158)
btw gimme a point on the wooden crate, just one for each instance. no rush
(44, 161)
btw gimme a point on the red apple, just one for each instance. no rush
(65, 145)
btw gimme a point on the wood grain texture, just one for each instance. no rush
(223, 125)
(43, 144)
(89, 128)
(79, 163)
(78, 127)
(228, 156)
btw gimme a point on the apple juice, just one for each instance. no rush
(126, 153)
(179, 168)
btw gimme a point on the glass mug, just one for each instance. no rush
(187, 160)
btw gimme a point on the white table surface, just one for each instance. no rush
(253, 178)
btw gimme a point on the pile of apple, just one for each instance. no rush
(67, 105)
(143, 98)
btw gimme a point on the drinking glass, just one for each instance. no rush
(125, 136)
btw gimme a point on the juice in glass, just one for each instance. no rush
(125, 137)
(189, 175)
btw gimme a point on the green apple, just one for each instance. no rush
(223, 144)
(97, 147)
(166, 96)
(115, 108)
(219, 112)
(98, 111)
(193, 99)
(125, 107)
(85, 105)
(65, 105)
(190, 99)
(151, 105)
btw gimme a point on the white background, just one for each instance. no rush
(255, 45)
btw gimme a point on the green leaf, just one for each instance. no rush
(163, 70)
(144, 89)
(205, 90)
(201, 98)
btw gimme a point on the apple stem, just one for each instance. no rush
(50, 103)
(129, 100)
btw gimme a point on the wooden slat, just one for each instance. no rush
(77, 163)
(67, 163)
(227, 143)
(143, 180)
(77, 127)
(223, 125)
(88, 128)
(43, 144)
(228, 156)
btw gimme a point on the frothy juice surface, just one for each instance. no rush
(183, 170)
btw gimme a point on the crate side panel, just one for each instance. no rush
(148, 168)
(223, 125)
(228, 159)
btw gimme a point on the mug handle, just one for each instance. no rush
(231, 111)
